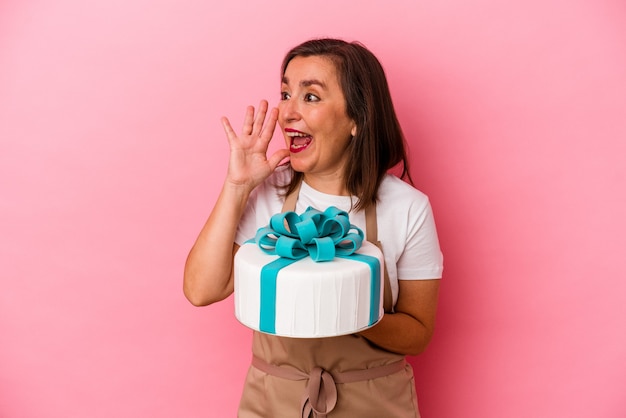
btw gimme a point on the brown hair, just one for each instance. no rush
(379, 144)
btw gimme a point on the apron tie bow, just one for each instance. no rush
(320, 396)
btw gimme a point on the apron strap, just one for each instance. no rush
(371, 234)
(291, 199)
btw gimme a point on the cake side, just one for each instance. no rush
(309, 299)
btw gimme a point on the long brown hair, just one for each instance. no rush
(379, 144)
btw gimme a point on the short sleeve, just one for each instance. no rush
(422, 258)
(264, 201)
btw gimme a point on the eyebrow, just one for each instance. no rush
(307, 83)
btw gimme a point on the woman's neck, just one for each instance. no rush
(329, 184)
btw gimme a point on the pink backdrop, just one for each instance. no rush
(111, 155)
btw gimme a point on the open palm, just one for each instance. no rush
(248, 163)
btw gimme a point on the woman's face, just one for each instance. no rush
(312, 115)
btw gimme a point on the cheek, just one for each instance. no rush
(281, 131)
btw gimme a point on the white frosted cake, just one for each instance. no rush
(306, 298)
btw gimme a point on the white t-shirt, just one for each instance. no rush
(406, 227)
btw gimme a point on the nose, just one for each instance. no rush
(288, 111)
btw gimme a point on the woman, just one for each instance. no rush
(342, 136)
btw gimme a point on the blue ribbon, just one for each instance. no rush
(320, 235)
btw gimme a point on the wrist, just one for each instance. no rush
(237, 188)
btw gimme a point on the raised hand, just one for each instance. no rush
(248, 164)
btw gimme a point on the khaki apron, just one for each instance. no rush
(336, 377)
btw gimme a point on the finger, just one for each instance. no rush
(270, 125)
(248, 121)
(228, 129)
(260, 117)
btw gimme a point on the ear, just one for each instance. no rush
(353, 131)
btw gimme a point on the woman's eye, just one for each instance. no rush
(284, 96)
(309, 97)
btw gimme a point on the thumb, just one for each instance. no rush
(277, 157)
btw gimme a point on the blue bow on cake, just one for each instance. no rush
(321, 235)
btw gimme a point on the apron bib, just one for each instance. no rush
(336, 377)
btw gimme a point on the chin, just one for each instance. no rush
(298, 166)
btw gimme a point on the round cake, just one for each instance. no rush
(306, 298)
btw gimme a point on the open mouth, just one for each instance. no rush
(299, 140)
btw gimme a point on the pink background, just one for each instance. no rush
(111, 156)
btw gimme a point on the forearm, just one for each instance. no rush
(399, 333)
(208, 270)
(208, 273)
(410, 328)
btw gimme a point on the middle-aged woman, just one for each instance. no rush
(342, 136)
